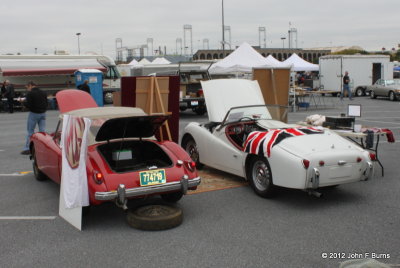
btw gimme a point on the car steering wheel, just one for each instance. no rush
(246, 117)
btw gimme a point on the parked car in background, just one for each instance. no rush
(243, 139)
(389, 88)
(123, 160)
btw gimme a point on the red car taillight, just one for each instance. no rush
(190, 165)
(98, 177)
(359, 159)
(306, 163)
(372, 156)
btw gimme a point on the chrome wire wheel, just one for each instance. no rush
(260, 177)
(190, 147)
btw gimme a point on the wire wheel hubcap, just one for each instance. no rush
(261, 175)
(191, 149)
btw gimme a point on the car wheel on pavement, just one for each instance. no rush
(108, 98)
(172, 197)
(155, 217)
(39, 175)
(359, 92)
(392, 96)
(260, 177)
(200, 110)
(190, 147)
(372, 95)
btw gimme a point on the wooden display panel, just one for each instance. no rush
(149, 92)
(274, 84)
(129, 87)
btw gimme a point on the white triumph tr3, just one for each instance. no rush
(241, 138)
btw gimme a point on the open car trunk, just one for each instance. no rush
(126, 156)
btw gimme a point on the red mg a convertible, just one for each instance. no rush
(123, 160)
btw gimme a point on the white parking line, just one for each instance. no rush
(29, 218)
(16, 174)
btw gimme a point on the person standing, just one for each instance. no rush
(346, 86)
(9, 95)
(36, 102)
(85, 86)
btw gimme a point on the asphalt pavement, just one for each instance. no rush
(226, 228)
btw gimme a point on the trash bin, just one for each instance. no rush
(95, 78)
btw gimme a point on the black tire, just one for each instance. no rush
(200, 110)
(359, 92)
(372, 95)
(155, 217)
(335, 94)
(392, 96)
(260, 177)
(39, 175)
(86, 211)
(190, 147)
(172, 197)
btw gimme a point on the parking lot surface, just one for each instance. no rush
(225, 228)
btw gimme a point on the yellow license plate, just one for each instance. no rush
(152, 177)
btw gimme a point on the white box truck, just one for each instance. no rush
(363, 70)
(56, 72)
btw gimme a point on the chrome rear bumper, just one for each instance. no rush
(122, 193)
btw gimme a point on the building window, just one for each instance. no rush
(209, 57)
(202, 56)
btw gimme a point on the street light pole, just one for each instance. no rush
(223, 31)
(283, 41)
(79, 48)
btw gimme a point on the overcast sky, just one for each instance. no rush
(50, 25)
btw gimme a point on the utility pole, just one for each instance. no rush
(223, 31)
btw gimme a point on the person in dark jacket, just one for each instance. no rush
(36, 102)
(85, 86)
(9, 94)
(346, 86)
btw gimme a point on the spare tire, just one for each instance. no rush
(155, 217)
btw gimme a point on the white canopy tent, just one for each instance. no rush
(275, 63)
(144, 61)
(242, 60)
(133, 63)
(160, 61)
(299, 65)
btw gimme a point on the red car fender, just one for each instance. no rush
(93, 187)
(180, 154)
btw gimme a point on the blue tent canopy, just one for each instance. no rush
(396, 68)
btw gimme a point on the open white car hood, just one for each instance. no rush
(223, 94)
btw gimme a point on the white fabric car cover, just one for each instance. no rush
(74, 148)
